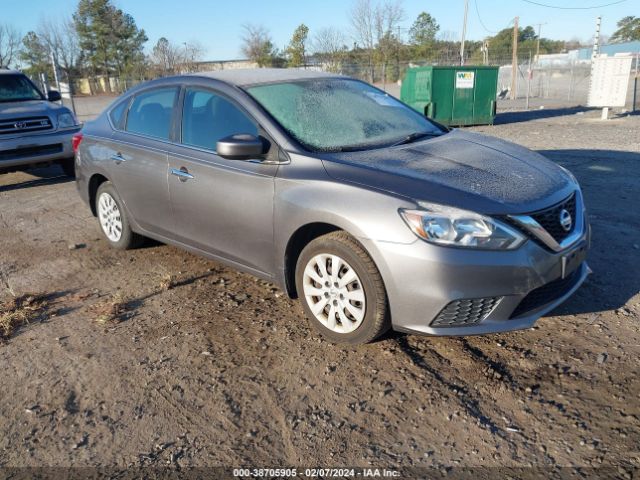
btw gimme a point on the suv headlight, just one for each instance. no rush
(460, 228)
(67, 120)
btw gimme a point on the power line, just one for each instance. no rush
(464, 31)
(480, 19)
(573, 8)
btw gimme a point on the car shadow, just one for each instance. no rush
(135, 303)
(50, 175)
(529, 115)
(608, 179)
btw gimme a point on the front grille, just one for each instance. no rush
(465, 312)
(549, 219)
(546, 294)
(24, 125)
(18, 153)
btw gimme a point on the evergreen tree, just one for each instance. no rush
(109, 39)
(35, 54)
(296, 51)
(628, 30)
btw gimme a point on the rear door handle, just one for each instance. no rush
(118, 158)
(182, 173)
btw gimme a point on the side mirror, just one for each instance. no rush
(54, 96)
(241, 146)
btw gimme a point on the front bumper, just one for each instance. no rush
(423, 279)
(36, 148)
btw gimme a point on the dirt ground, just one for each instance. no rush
(157, 357)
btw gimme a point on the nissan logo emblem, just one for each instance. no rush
(20, 125)
(565, 220)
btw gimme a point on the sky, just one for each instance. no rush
(217, 25)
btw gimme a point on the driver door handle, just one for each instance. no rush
(118, 158)
(182, 173)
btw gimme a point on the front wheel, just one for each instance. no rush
(113, 219)
(341, 289)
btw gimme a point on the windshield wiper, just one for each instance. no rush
(367, 146)
(412, 137)
(352, 148)
(23, 99)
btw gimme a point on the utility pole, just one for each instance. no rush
(539, 25)
(485, 52)
(67, 90)
(464, 31)
(596, 45)
(54, 64)
(594, 54)
(399, 44)
(635, 83)
(529, 75)
(514, 60)
(596, 39)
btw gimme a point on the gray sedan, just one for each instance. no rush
(371, 214)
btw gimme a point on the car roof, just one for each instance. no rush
(4, 71)
(255, 76)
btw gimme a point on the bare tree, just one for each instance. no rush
(257, 45)
(329, 45)
(169, 58)
(192, 53)
(449, 46)
(165, 56)
(387, 19)
(61, 39)
(363, 24)
(9, 44)
(373, 25)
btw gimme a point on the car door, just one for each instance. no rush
(140, 162)
(221, 206)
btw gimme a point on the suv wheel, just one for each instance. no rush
(113, 219)
(341, 289)
(69, 167)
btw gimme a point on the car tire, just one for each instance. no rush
(113, 220)
(69, 167)
(354, 296)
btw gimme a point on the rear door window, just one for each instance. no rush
(117, 114)
(151, 113)
(208, 117)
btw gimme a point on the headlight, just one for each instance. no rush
(66, 120)
(459, 228)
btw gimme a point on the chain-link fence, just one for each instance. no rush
(568, 83)
(561, 83)
(564, 83)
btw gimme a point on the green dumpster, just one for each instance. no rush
(452, 95)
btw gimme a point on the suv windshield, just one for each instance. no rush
(341, 114)
(17, 88)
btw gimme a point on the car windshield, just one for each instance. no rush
(17, 88)
(341, 114)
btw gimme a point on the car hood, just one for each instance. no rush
(460, 169)
(29, 108)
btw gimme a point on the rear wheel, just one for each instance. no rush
(341, 289)
(69, 167)
(113, 219)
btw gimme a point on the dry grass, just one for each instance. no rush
(167, 282)
(109, 310)
(18, 311)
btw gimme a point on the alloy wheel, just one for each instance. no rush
(334, 293)
(109, 215)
